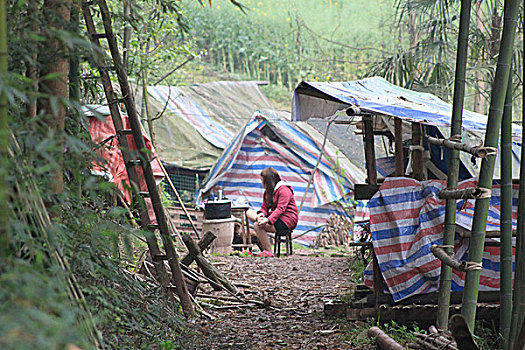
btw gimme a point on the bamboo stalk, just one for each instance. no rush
(506, 218)
(4, 130)
(520, 256)
(383, 340)
(466, 193)
(480, 152)
(520, 252)
(445, 258)
(477, 242)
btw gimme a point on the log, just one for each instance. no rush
(207, 268)
(426, 345)
(383, 340)
(438, 340)
(203, 244)
(479, 151)
(467, 193)
(442, 255)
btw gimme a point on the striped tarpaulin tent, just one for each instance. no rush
(406, 219)
(270, 141)
(199, 121)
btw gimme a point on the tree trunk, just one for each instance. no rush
(31, 68)
(479, 84)
(127, 34)
(54, 78)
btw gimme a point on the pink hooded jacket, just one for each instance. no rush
(284, 206)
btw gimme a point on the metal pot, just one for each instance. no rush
(218, 209)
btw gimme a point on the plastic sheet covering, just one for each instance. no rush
(292, 149)
(406, 219)
(200, 120)
(378, 96)
(104, 136)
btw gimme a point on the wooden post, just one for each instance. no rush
(370, 159)
(207, 268)
(370, 154)
(398, 139)
(203, 244)
(417, 152)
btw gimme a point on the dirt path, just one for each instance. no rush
(296, 288)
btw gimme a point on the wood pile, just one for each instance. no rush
(337, 232)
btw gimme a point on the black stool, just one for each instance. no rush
(285, 236)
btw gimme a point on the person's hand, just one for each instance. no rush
(262, 220)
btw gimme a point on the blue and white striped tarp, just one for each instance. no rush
(293, 153)
(378, 96)
(406, 218)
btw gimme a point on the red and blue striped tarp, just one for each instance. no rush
(270, 141)
(407, 218)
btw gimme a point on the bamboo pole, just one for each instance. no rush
(4, 129)
(383, 340)
(311, 179)
(506, 218)
(477, 242)
(519, 260)
(466, 193)
(480, 152)
(520, 252)
(442, 255)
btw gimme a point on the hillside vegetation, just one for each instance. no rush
(284, 42)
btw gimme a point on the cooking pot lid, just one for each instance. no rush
(222, 201)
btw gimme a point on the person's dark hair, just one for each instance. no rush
(270, 177)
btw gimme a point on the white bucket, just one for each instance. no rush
(223, 229)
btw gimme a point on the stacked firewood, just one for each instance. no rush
(338, 231)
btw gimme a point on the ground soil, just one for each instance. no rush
(295, 289)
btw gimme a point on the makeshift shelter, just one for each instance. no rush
(196, 123)
(200, 120)
(376, 96)
(406, 216)
(111, 162)
(293, 150)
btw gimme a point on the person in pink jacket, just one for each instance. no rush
(278, 212)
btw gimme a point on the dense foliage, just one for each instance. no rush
(65, 279)
(284, 42)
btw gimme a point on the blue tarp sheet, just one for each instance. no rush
(376, 95)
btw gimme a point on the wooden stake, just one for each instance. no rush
(207, 268)
(398, 139)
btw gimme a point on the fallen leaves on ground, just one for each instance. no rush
(294, 287)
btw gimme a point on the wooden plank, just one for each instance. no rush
(180, 219)
(364, 191)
